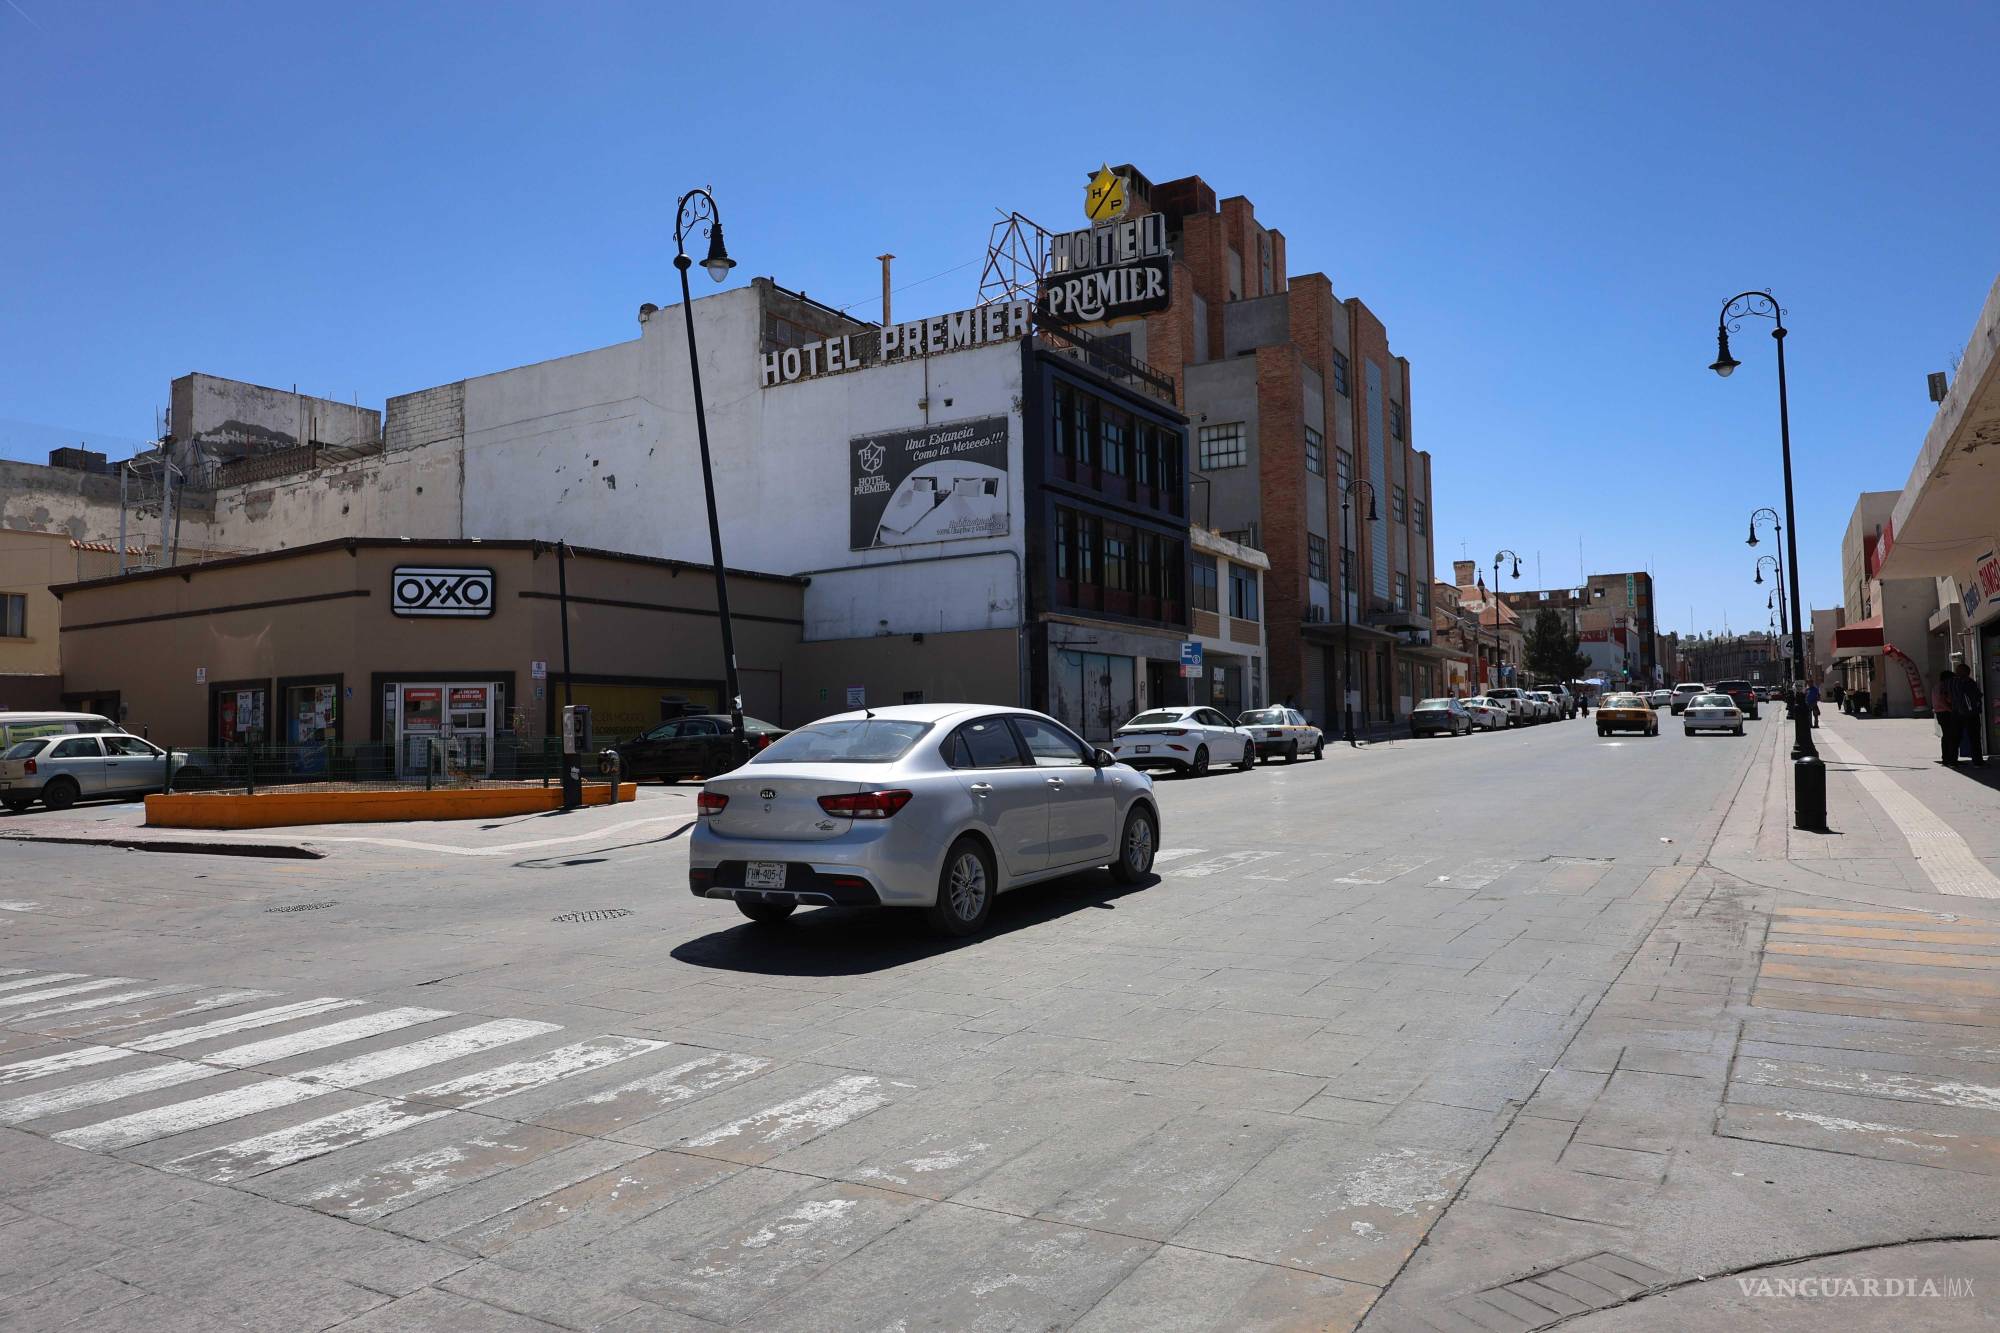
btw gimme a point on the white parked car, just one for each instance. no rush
(1520, 711)
(1187, 738)
(1546, 707)
(937, 806)
(1712, 712)
(60, 770)
(1488, 713)
(1660, 699)
(1683, 692)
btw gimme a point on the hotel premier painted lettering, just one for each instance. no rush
(1109, 271)
(1001, 322)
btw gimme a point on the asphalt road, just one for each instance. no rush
(1244, 1092)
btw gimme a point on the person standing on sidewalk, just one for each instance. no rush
(1947, 718)
(1812, 702)
(1969, 707)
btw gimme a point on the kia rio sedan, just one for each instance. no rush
(933, 806)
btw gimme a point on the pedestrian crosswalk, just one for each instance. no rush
(225, 1099)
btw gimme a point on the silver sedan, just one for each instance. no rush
(936, 806)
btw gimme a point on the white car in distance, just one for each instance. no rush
(1187, 738)
(1712, 712)
(1488, 713)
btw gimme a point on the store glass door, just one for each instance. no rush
(468, 727)
(419, 727)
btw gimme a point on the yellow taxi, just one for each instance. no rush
(1627, 712)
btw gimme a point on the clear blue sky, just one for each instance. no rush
(1545, 203)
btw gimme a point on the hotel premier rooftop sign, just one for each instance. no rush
(1003, 321)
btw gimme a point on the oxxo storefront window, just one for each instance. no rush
(446, 723)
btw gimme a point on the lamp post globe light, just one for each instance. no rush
(1504, 553)
(1347, 576)
(697, 210)
(1808, 773)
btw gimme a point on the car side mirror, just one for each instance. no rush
(1102, 759)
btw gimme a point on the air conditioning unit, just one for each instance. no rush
(1315, 613)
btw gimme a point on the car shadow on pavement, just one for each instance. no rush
(851, 941)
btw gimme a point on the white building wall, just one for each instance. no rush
(601, 449)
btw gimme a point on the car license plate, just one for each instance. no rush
(1142, 749)
(764, 875)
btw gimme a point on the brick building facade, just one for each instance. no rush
(1292, 393)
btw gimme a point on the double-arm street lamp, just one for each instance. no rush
(1777, 599)
(1348, 573)
(1808, 773)
(697, 210)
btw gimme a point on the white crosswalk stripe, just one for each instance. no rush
(223, 1027)
(220, 1107)
(102, 983)
(318, 1039)
(42, 1066)
(102, 1002)
(78, 1096)
(46, 979)
(145, 1014)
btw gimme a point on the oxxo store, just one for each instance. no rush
(411, 647)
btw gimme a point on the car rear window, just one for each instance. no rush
(863, 741)
(1154, 719)
(1435, 703)
(24, 749)
(1624, 701)
(1256, 715)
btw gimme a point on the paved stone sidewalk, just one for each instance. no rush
(1802, 1060)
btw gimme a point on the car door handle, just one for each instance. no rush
(1055, 782)
(982, 789)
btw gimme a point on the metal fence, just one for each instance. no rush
(421, 764)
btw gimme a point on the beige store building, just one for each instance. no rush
(397, 643)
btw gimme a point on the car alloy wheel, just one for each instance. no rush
(1248, 760)
(1136, 846)
(965, 889)
(1200, 769)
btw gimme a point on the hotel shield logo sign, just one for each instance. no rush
(1104, 199)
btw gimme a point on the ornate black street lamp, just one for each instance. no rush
(697, 209)
(1808, 773)
(1503, 554)
(1777, 599)
(1347, 576)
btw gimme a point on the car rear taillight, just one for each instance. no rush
(710, 803)
(763, 741)
(28, 766)
(866, 804)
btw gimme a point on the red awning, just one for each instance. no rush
(1862, 638)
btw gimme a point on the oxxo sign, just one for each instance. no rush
(422, 590)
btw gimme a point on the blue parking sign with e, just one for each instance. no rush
(1191, 654)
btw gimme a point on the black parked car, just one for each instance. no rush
(697, 746)
(1741, 693)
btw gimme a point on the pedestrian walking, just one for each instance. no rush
(1812, 701)
(1947, 718)
(1969, 705)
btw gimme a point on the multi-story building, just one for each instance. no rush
(1454, 628)
(1498, 640)
(1297, 407)
(1753, 657)
(1612, 615)
(1226, 600)
(1878, 649)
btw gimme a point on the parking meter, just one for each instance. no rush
(575, 744)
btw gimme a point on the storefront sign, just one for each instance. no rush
(441, 591)
(538, 670)
(936, 483)
(201, 675)
(1109, 271)
(977, 327)
(857, 696)
(1984, 585)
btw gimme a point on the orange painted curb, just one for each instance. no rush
(232, 810)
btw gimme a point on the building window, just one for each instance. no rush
(1242, 592)
(1264, 261)
(1117, 557)
(1146, 455)
(1235, 276)
(1423, 599)
(1082, 428)
(1116, 441)
(1222, 446)
(1340, 373)
(1065, 543)
(1149, 565)
(1204, 583)
(1343, 470)
(1315, 452)
(1402, 592)
(1399, 504)
(1396, 421)
(1315, 557)
(13, 615)
(1420, 518)
(1090, 540)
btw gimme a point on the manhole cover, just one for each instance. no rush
(301, 907)
(595, 914)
